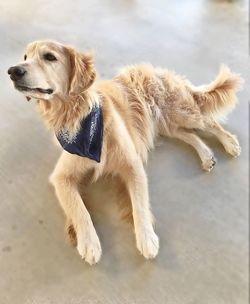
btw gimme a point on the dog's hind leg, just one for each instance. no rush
(228, 140)
(204, 152)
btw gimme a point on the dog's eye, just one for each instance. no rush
(25, 57)
(49, 57)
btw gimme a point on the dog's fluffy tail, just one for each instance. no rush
(220, 95)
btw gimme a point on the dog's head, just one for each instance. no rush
(50, 69)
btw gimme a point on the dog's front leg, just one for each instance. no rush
(135, 178)
(65, 179)
(70, 232)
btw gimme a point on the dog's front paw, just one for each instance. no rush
(232, 146)
(148, 243)
(209, 164)
(89, 247)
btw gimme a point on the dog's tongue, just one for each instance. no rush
(28, 98)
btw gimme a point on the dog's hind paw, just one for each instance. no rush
(209, 164)
(233, 147)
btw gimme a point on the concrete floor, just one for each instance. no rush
(202, 219)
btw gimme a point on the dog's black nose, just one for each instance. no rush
(16, 72)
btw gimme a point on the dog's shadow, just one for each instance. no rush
(114, 227)
(113, 221)
(170, 164)
(174, 160)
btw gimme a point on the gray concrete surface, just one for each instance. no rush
(201, 219)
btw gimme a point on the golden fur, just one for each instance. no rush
(139, 104)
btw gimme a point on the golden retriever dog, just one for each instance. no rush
(120, 119)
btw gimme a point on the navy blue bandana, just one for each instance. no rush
(87, 142)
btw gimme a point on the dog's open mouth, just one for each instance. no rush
(40, 90)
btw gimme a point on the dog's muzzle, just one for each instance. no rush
(16, 75)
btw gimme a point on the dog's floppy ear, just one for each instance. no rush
(82, 72)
